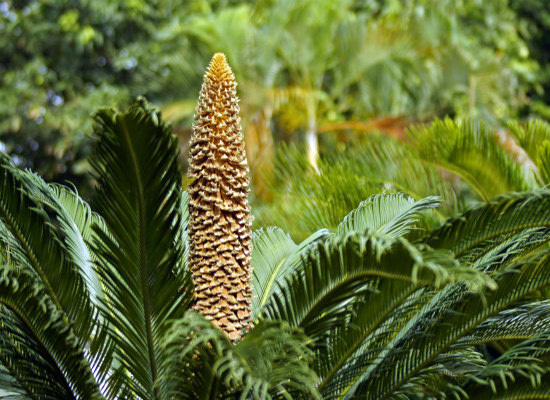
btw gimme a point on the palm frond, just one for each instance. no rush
(40, 248)
(182, 228)
(10, 389)
(482, 228)
(387, 214)
(75, 219)
(521, 388)
(270, 362)
(534, 139)
(472, 152)
(38, 346)
(307, 201)
(275, 256)
(338, 271)
(521, 322)
(434, 337)
(190, 348)
(139, 193)
(517, 373)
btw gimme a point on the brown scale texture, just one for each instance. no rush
(219, 232)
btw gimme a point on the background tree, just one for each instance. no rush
(382, 65)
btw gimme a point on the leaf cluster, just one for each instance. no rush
(94, 302)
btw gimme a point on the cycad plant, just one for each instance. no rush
(99, 304)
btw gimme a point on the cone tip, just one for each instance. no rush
(219, 68)
(219, 57)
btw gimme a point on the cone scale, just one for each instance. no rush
(219, 232)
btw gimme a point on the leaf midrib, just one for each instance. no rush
(271, 280)
(409, 290)
(143, 259)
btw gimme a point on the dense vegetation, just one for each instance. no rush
(384, 236)
(97, 304)
(335, 68)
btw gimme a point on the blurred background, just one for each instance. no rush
(328, 88)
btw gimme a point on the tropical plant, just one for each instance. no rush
(96, 304)
(463, 162)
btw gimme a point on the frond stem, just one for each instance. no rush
(143, 261)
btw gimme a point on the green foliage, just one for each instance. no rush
(534, 139)
(463, 162)
(306, 201)
(392, 215)
(369, 299)
(473, 153)
(95, 304)
(301, 65)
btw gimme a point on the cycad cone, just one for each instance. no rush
(220, 234)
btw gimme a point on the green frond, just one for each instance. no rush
(436, 335)
(473, 153)
(190, 348)
(387, 214)
(342, 271)
(10, 389)
(141, 266)
(521, 322)
(306, 201)
(381, 320)
(544, 163)
(521, 389)
(272, 361)
(40, 247)
(534, 139)
(275, 256)
(432, 382)
(182, 228)
(38, 346)
(518, 373)
(75, 219)
(481, 229)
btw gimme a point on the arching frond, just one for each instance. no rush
(190, 348)
(472, 152)
(517, 373)
(534, 139)
(38, 346)
(477, 231)
(275, 256)
(139, 195)
(75, 223)
(270, 362)
(386, 214)
(521, 322)
(11, 390)
(40, 248)
(436, 336)
(307, 201)
(320, 296)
